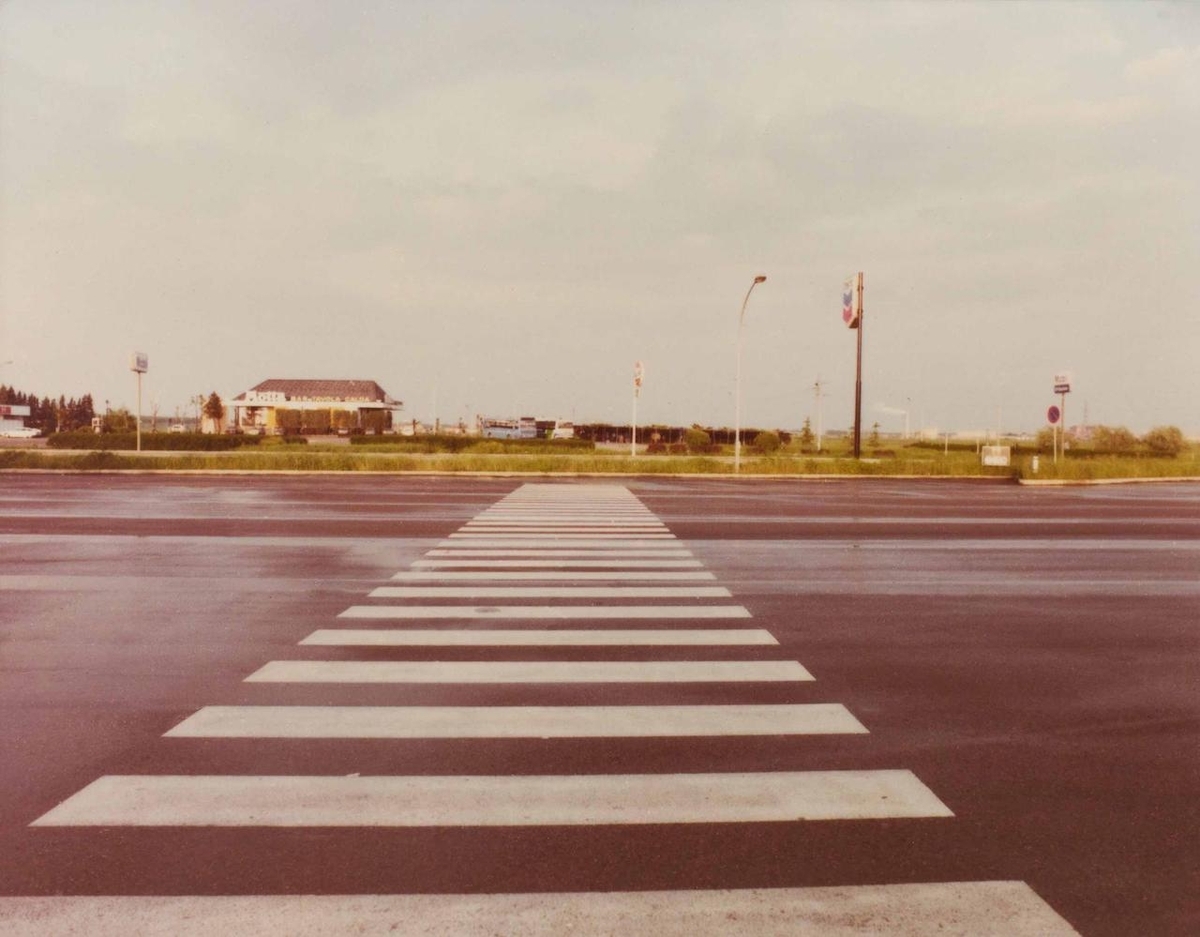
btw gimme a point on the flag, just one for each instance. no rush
(851, 299)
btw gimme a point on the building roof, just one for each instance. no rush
(331, 391)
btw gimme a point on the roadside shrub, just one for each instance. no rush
(173, 442)
(696, 440)
(1165, 441)
(767, 442)
(1113, 440)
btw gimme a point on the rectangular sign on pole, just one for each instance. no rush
(852, 300)
(1062, 383)
(139, 362)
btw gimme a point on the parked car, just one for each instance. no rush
(21, 432)
(177, 428)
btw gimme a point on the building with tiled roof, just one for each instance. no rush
(313, 406)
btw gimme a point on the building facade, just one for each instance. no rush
(280, 405)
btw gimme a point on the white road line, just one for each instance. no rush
(545, 611)
(540, 800)
(558, 564)
(559, 535)
(550, 592)
(955, 909)
(616, 554)
(514, 722)
(612, 575)
(521, 671)
(413, 637)
(546, 542)
(659, 533)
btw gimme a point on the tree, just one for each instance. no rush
(1113, 440)
(697, 440)
(213, 408)
(120, 421)
(873, 439)
(1165, 441)
(806, 435)
(767, 442)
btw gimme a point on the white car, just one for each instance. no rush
(22, 432)
(177, 428)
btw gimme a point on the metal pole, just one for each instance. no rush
(858, 376)
(1063, 407)
(139, 412)
(633, 440)
(819, 396)
(737, 382)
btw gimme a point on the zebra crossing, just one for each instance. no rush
(584, 552)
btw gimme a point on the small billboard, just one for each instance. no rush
(140, 362)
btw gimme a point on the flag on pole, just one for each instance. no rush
(638, 373)
(852, 300)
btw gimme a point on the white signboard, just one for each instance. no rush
(139, 362)
(1062, 383)
(997, 455)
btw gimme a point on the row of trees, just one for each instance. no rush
(49, 415)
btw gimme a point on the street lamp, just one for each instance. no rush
(737, 382)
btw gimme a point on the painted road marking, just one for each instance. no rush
(980, 909)
(547, 542)
(558, 564)
(550, 592)
(462, 534)
(514, 722)
(546, 611)
(615, 554)
(494, 800)
(616, 574)
(411, 637)
(520, 671)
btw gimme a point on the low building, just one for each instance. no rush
(312, 407)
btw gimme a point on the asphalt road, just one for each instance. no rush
(1024, 664)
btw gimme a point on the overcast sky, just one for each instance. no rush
(498, 208)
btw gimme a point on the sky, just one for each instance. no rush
(499, 207)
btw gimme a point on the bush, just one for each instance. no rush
(696, 440)
(191, 442)
(1165, 441)
(1113, 440)
(767, 442)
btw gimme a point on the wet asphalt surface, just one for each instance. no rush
(1032, 655)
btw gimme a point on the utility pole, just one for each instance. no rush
(818, 394)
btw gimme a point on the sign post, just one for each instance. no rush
(139, 363)
(638, 373)
(1052, 417)
(852, 315)
(1062, 387)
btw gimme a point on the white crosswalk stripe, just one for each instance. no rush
(422, 612)
(508, 722)
(651, 671)
(495, 800)
(533, 637)
(977, 909)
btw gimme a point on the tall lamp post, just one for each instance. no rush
(737, 381)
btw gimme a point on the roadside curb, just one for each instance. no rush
(1070, 482)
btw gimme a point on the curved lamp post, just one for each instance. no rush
(737, 383)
